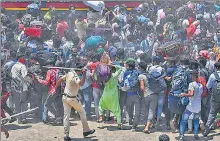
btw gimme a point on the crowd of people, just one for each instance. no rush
(136, 64)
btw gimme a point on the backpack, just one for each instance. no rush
(145, 46)
(103, 74)
(179, 80)
(216, 88)
(131, 82)
(156, 81)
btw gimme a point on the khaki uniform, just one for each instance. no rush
(71, 90)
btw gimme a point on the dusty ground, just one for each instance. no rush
(37, 131)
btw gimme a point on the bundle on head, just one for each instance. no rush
(33, 9)
(92, 45)
(170, 49)
(103, 74)
(33, 32)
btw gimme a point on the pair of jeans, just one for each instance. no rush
(51, 99)
(86, 97)
(184, 121)
(160, 105)
(131, 102)
(190, 122)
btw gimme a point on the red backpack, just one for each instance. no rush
(203, 81)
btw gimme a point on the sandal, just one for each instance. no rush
(146, 131)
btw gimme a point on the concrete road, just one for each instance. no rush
(37, 131)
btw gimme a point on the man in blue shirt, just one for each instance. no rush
(215, 102)
(130, 80)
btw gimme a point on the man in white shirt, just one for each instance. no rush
(194, 107)
(19, 85)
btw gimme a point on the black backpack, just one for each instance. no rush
(216, 88)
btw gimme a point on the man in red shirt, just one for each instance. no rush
(52, 94)
(61, 26)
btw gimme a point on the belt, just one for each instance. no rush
(69, 96)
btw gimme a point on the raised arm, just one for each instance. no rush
(118, 71)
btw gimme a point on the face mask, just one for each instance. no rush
(22, 60)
